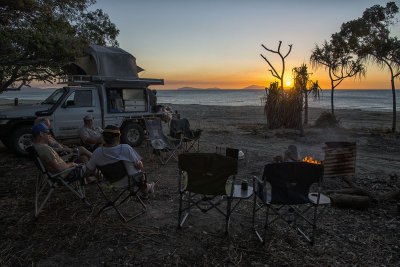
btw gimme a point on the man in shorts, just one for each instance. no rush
(65, 152)
(49, 157)
(112, 151)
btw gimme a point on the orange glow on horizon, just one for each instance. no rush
(258, 78)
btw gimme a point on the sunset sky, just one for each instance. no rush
(217, 43)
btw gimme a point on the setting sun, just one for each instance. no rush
(288, 83)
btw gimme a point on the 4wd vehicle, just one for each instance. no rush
(122, 100)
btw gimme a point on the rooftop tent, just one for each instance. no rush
(105, 61)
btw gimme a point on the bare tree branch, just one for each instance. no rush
(273, 71)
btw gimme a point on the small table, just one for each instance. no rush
(240, 194)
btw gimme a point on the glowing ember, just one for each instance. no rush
(310, 160)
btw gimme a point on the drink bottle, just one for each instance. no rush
(76, 153)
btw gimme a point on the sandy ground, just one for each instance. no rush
(67, 234)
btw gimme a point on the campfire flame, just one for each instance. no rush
(310, 160)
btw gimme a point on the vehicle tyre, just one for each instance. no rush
(20, 139)
(6, 142)
(132, 134)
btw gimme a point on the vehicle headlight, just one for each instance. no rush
(4, 121)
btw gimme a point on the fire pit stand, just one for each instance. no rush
(340, 159)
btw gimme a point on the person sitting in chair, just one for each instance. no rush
(64, 151)
(91, 135)
(112, 151)
(291, 154)
(51, 160)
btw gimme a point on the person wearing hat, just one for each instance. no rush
(65, 152)
(91, 135)
(51, 160)
(113, 151)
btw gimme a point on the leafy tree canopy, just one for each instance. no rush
(369, 37)
(38, 37)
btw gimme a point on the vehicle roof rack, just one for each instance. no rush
(94, 79)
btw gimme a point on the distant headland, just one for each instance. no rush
(251, 87)
(194, 88)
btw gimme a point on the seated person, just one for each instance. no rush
(51, 160)
(113, 151)
(65, 152)
(182, 126)
(91, 135)
(291, 154)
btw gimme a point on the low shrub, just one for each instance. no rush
(327, 119)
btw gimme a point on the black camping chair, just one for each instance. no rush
(203, 179)
(289, 197)
(53, 181)
(229, 152)
(126, 187)
(165, 148)
(191, 138)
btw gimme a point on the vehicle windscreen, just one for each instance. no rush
(54, 97)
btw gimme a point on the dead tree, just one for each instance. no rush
(273, 70)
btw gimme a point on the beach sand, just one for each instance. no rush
(66, 233)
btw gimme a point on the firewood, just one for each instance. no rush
(363, 190)
(374, 197)
(389, 195)
(350, 201)
(348, 190)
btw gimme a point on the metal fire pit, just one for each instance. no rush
(340, 159)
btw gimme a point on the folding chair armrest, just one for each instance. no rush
(175, 141)
(64, 171)
(256, 179)
(178, 142)
(182, 181)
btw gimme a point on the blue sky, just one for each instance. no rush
(217, 43)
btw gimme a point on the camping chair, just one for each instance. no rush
(289, 196)
(191, 138)
(53, 181)
(164, 148)
(229, 152)
(126, 186)
(203, 181)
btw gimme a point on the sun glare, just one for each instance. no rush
(288, 83)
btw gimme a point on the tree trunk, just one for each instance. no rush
(306, 107)
(394, 105)
(332, 90)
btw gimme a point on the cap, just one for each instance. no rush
(39, 127)
(88, 117)
(240, 154)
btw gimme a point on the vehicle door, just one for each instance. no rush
(68, 118)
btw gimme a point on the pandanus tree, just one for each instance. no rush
(283, 108)
(339, 63)
(305, 85)
(369, 38)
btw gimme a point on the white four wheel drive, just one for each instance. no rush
(104, 83)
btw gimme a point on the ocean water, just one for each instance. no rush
(371, 100)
